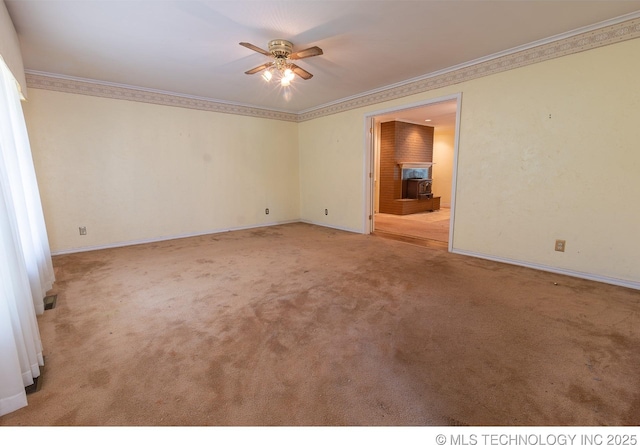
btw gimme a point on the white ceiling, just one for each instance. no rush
(192, 47)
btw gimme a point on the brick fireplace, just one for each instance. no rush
(406, 156)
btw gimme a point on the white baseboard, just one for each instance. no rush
(329, 226)
(167, 238)
(560, 271)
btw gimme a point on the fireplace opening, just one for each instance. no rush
(418, 188)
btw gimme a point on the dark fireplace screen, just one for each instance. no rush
(419, 189)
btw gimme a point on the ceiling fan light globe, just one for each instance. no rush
(267, 75)
(285, 81)
(288, 74)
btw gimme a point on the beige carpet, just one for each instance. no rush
(424, 225)
(304, 325)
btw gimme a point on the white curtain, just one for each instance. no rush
(26, 271)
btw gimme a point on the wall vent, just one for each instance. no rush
(50, 301)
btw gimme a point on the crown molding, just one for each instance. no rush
(512, 59)
(88, 87)
(595, 36)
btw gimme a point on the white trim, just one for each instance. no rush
(415, 165)
(581, 39)
(150, 90)
(406, 121)
(331, 226)
(611, 31)
(368, 175)
(557, 270)
(369, 156)
(490, 57)
(369, 162)
(412, 105)
(168, 238)
(454, 173)
(93, 88)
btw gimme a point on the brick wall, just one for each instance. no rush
(400, 142)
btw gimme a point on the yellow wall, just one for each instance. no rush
(131, 171)
(547, 151)
(442, 170)
(551, 151)
(524, 179)
(331, 157)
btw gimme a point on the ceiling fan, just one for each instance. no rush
(282, 53)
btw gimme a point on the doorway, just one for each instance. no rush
(430, 221)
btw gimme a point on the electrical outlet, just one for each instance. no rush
(266, 211)
(83, 230)
(326, 211)
(560, 244)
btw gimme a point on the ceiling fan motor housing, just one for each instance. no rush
(280, 48)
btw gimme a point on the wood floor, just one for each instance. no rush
(427, 228)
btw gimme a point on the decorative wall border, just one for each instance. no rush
(46, 81)
(595, 38)
(581, 42)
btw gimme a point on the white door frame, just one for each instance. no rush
(369, 158)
